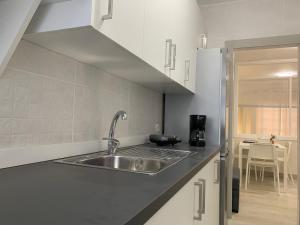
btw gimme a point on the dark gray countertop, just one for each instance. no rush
(49, 193)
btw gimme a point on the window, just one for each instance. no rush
(268, 106)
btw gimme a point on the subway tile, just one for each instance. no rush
(40, 106)
(86, 75)
(41, 139)
(32, 58)
(20, 140)
(6, 109)
(21, 92)
(5, 126)
(66, 137)
(5, 141)
(21, 109)
(61, 126)
(57, 100)
(41, 126)
(21, 126)
(85, 114)
(6, 94)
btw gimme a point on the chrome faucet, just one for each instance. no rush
(113, 143)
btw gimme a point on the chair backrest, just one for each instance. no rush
(263, 139)
(263, 151)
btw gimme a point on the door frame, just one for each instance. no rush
(267, 42)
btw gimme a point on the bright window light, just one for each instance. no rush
(286, 74)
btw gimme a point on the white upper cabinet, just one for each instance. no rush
(151, 42)
(192, 31)
(171, 31)
(121, 21)
(177, 29)
(157, 34)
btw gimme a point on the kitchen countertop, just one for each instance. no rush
(50, 193)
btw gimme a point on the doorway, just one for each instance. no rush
(264, 110)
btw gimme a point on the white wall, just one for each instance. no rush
(15, 16)
(244, 19)
(47, 98)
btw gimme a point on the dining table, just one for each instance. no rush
(243, 150)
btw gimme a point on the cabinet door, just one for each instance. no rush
(184, 207)
(158, 17)
(177, 31)
(178, 73)
(122, 21)
(211, 192)
(190, 70)
(202, 198)
(178, 210)
(192, 32)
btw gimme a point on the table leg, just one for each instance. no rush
(241, 165)
(285, 172)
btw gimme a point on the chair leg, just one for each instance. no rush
(291, 175)
(260, 172)
(263, 174)
(274, 176)
(278, 181)
(255, 172)
(247, 173)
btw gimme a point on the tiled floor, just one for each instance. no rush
(261, 205)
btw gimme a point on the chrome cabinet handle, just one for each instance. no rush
(187, 70)
(109, 14)
(217, 167)
(201, 210)
(174, 57)
(203, 196)
(168, 53)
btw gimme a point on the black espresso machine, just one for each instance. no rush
(197, 130)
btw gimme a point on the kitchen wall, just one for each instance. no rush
(47, 98)
(244, 19)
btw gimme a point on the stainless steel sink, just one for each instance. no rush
(126, 163)
(134, 159)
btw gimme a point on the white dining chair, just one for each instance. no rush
(280, 158)
(263, 155)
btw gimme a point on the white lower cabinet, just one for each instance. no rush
(210, 175)
(197, 203)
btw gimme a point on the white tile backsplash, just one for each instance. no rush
(47, 98)
(5, 126)
(41, 61)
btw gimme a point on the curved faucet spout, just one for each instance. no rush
(112, 142)
(113, 124)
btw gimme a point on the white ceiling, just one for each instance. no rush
(261, 56)
(265, 63)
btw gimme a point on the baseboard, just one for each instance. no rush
(10, 157)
